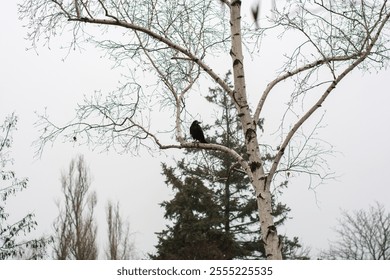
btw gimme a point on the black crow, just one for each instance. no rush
(196, 132)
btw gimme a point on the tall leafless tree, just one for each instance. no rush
(120, 246)
(362, 235)
(75, 228)
(178, 39)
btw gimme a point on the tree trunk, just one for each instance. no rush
(259, 180)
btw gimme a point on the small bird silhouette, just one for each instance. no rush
(255, 14)
(197, 132)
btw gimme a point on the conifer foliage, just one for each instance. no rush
(14, 241)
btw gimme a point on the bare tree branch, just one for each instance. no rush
(75, 229)
(120, 247)
(362, 235)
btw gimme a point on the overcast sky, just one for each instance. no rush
(356, 124)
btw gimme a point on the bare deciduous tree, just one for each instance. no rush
(362, 235)
(75, 229)
(177, 40)
(120, 245)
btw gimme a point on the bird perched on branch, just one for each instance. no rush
(197, 132)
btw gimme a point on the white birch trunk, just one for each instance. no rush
(259, 180)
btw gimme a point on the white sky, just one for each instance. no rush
(356, 125)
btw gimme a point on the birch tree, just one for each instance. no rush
(180, 42)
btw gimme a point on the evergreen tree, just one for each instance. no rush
(214, 211)
(11, 244)
(196, 231)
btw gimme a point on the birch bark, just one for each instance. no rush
(259, 179)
